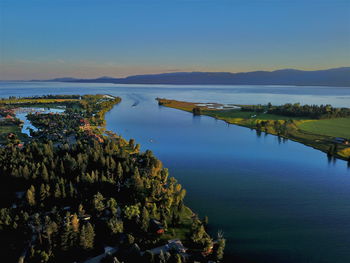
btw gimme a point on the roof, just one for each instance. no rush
(174, 244)
(340, 140)
(156, 224)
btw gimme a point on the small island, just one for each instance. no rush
(74, 192)
(322, 127)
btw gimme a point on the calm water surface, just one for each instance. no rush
(275, 201)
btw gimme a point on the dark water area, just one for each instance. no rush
(275, 200)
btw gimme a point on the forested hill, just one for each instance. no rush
(329, 77)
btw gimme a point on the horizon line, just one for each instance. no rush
(174, 72)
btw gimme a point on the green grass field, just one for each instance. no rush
(6, 129)
(332, 127)
(182, 232)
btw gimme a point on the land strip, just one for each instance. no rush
(324, 128)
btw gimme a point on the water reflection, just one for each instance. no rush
(275, 202)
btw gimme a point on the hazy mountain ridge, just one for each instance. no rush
(328, 77)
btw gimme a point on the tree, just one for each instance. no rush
(30, 196)
(206, 221)
(137, 181)
(57, 193)
(132, 143)
(161, 257)
(98, 202)
(25, 172)
(119, 172)
(220, 249)
(198, 234)
(116, 226)
(81, 210)
(130, 239)
(87, 236)
(112, 205)
(44, 256)
(43, 193)
(66, 236)
(75, 223)
(145, 219)
(177, 258)
(44, 173)
(131, 211)
(196, 111)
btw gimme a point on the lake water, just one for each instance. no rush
(275, 201)
(27, 125)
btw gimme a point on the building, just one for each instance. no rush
(340, 140)
(156, 226)
(173, 245)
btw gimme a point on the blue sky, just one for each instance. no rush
(92, 38)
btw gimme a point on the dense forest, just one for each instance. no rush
(68, 200)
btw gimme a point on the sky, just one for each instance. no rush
(42, 39)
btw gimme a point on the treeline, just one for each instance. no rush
(50, 96)
(278, 127)
(310, 111)
(297, 110)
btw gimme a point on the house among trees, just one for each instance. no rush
(156, 226)
(173, 245)
(11, 136)
(85, 217)
(340, 140)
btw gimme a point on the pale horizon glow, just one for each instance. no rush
(89, 39)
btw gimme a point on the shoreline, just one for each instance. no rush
(318, 141)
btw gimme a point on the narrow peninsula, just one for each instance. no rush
(322, 127)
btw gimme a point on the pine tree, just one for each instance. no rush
(119, 172)
(112, 205)
(87, 236)
(98, 202)
(44, 173)
(57, 193)
(30, 195)
(116, 226)
(137, 181)
(81, 210)
(177, 258)
(220, 250)
(145, 219)
(71, 190)
(161, 257)
(66, 243)
(25, 172)
(75, 223)
(43, 193)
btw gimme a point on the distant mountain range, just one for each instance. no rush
(328, 77)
